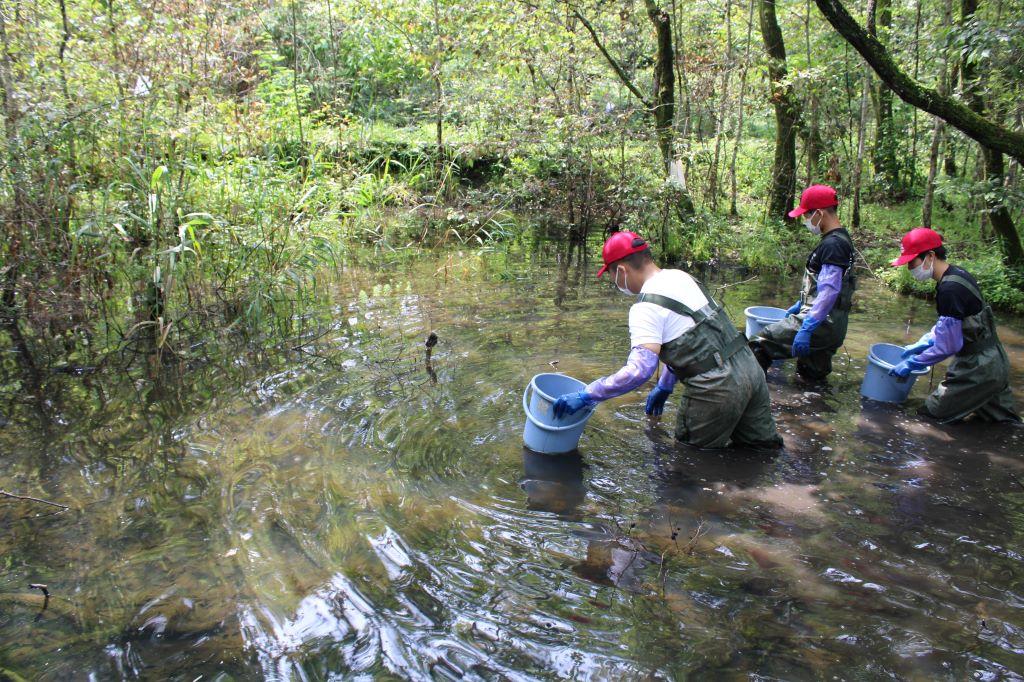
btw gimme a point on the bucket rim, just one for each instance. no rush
(542, 394)
(747, 312)
(875, 360)
(585, 415)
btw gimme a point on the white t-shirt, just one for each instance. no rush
(650, 323)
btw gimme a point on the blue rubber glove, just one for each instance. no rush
(656, 401)
(793, 309)
(571, 403)
(904, 369)
(802, 340)
(915, 348)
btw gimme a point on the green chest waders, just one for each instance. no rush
(776, 340)
(978, 378)
(832, 332)
(725, 397)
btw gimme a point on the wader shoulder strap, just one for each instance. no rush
(842, 235)
(985, 342)
(966, 284)
(680, 308)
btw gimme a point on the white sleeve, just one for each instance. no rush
(646, 324)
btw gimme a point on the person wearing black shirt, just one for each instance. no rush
(815, 326)
(978, 379)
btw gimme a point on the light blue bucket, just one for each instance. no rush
(760, 316)
(878, 384)
(543, 432)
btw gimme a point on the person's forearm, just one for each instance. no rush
(949, 339)
(830, 282)
(667, 381)
(638, 369)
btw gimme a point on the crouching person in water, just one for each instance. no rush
(815, 326)
(978, 379)
(725, 396)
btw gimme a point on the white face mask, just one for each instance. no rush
(809, 224)
(923, 271)
(625, 282)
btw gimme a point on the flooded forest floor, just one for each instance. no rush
(343, 503)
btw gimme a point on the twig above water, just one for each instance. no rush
(723, 287)
(4, 493)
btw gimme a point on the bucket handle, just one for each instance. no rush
(545, 427)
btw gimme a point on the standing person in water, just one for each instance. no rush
(725, 397)
(978, 379)
(815, 326)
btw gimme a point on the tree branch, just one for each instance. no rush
(611, 60)
(4, 493)
(955, 113)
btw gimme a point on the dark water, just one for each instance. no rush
(339, 510)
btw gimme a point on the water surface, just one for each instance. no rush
(333, 507)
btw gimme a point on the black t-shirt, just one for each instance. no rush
(953, 299)
(833, 249)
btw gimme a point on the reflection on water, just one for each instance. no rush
(359, 503)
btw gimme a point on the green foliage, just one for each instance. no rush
(177, 171)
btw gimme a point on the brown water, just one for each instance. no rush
(335, 510)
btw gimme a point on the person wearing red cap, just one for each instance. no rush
(815, 326)
(978, 379)
(725, 397)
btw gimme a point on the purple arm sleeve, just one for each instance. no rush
(830, 281)
(949, 339)
(638, 368)
(667, 381)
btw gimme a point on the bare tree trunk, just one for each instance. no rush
(858, 170)
(723, 103)
(334, 53)
(812, 146)
(438, 81)
(912, 180)
(295, 74)
(938, 127)
(662, 105)
(685, 124)
(16, 215)
(883, 150)
(786, 115)
(65, 37)
(664, 83)
(933, 167)
(738, 135)
(994, 172)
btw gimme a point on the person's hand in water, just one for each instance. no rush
(793, 309)
(656, 401)
(904, 369)
(571, 403)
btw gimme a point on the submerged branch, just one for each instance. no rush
(4, 493)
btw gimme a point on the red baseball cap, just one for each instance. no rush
(620, 245)
(916, 242)
(813, 198)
